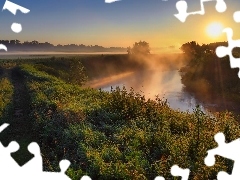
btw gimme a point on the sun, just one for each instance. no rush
(214, 29)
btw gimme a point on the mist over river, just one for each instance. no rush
(165, 84)
(156, 75)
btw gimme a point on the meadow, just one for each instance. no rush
(106, 135)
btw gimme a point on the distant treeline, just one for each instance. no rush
(194, 50)
(16, 45)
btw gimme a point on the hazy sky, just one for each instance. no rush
(121, 23)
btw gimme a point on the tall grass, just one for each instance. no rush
(6, 93)
(120, 135)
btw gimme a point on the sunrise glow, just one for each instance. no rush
(214, 29)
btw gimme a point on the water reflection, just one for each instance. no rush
(166, 84)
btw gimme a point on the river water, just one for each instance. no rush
(165, 84)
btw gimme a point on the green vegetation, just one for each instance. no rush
(117, 134)
(206, 75)
(6, 92)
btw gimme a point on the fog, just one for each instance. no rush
(44, 54)
(150, 76)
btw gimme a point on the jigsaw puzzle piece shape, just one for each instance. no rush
(222, 51)
(5, 125)
(53, 175)
(221, 6)
(236, 16)
(16, 27)
(182, 11)
(2, 46)
(12, 7)
(88, 178)
(223, 176)
(35, 165)
(159, 178)
(9, 165)
(177, 171)
(226, 150)
(182, 6)
(111, 1)
(64, 164)
(40, 175)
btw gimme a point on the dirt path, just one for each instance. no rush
(1, 71)
(20, 128)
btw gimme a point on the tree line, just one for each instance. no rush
(16, 45)
(194, 50)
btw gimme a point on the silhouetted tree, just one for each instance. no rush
(129, 50)
(192, 49)
(139, 48)
(18, 42)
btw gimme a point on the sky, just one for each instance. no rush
(118, 24)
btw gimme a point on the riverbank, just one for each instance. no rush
(118, 134)
(211, 80)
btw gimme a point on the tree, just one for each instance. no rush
(192, 49)
(139, 48)
(129, 50)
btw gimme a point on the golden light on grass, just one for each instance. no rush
(214, 29)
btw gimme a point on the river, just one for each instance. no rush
(165, 84)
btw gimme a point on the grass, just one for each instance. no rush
(119, 134)
(6, 93)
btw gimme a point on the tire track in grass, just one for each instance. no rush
(20, 128)
(1, 71)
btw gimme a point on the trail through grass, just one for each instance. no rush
(16, 114)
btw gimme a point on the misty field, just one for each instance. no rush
(106, 135)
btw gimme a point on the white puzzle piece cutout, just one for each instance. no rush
(64, 164)
(3, 126)
(2, 46)
(111, 1)
(12, 7)
(35, 164)
(236, 16)
(159, 178)
(228, 150)
(33, 169)
(8, 165)
(177, 171)
(182, 9)
(86, 178)
(17, 28)
(222, 51)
